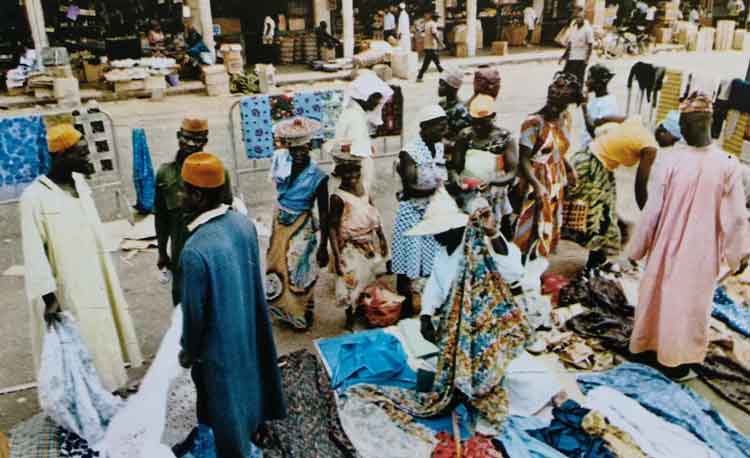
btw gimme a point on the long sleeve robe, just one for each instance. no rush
(227, 330)
(694, 221)
(64, 253)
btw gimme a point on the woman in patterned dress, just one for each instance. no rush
(358, 244)
(298, 245)
(544, 172)
(422, 169)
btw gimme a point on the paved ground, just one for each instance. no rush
(523, 91)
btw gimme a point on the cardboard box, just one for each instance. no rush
(499, 48)
(536, 37)
(296, 24)
(216, 78)
(66, 88)
(664, 35)
(93, 72)
(328, 54)
(233, 62)
(59, 71)
(461, 50)
(154, 83)
(129, 86)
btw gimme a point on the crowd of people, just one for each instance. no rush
(477, 205)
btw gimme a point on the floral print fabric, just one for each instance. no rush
(23, 154)
(480, 330)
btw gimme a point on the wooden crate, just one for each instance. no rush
(499, 48)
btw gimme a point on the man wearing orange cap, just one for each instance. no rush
(227, 337)
(170, 218)
(693, 227)
(66, 265)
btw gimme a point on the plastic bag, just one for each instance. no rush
(70, 391)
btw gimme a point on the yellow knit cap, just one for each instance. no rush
(62, 137)
(203, 170)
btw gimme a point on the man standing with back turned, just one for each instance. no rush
(226, 337)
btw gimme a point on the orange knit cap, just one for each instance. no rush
(203, 170)
(62, 137)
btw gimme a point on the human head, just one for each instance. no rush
(69, 152)
(599, 78)
(369, 91)
(204, 177)
(579, 16)
(402, 6)
(482, 112)
(428, 15)
(323, 26)
(564, 90)
(479, 210)
(296, 134)
(696, 116)
(192, 136)
(450, 83)
(487, 81)
(155, 25)
(347, 166)
(432, 123)
(668, 132)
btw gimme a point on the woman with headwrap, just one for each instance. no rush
(544, 173)
(299, 245)
(600, 109)
(366, 95)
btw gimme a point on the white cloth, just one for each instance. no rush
(695, 16)
(389, 22)
(529, 17)
(530, 385)
(353, 126)
(651, 13)
(579, 39)
(137, 429)
(656, 437)
(65, 252)
(404, 29)
(269, 27)
(430, 112)
(207, 216)
(70, 391)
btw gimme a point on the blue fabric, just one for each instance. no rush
(367, 357)
(257, 128)
(566, 433)
(519, 444)
(144, 179)
(733, 315)
(672, 402)
(672, 124)
(227, 333)
(323, 106)
(23, 154)
(599, 107)
(299, 195)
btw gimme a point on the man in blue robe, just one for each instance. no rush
(227, 338)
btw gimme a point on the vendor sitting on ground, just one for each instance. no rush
(156, 38)
(469, 313)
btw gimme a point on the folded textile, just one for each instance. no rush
(566, 434)
(530, 385)
(37, 437)
(673, 403)
(23, 153)
(739, 96)
(374, 357)
(655, 436)
(518, 443)
(726, 310)
(618, 441)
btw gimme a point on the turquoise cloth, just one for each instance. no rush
(144, 179)
(672, 124)
(299, 195)
(227, 333)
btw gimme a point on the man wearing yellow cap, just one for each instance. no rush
(170, 218)
(227, 337)
(67, 267)
(693, 230)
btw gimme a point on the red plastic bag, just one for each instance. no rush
(552, 284)
(382, 306)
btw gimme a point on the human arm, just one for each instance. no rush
(195, 298)
(590, 42)
(527, 172)
(648, 157)
(434, 295)
(510, 159)
(643, 238)
(336, 211)
(565, 55)
(161, 224)
(38, 276)
(435, 33)
(322, 197)
(735, 227)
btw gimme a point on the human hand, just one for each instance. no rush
(322, 256)
(185, 360)
(163, 262)
(52, 313)
(743, 266)
(572, 179)
(427, 329)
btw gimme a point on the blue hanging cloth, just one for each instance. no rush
(143, 173)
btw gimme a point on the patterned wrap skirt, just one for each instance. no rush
(362, 264)
(292, 267)
(597, 187)
(412, 256)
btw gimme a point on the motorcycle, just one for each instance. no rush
(626, 40)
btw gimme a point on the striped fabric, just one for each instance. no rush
(669, 97)
(36, 437)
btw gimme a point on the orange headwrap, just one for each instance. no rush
(62, 137)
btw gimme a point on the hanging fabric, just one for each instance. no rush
(144, 180)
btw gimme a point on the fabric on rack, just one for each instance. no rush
(655, 436)
(257, 129)
(37, 437)
(144, 179)
(70, 391)
(312, 427)
(673, 403)
(517, 442)
(23, 154)
(721, 109)
(737, 317)
(566, 434)
(645, 75)
(669, 97)
(323, 106)
(734, 131)
(739, 96)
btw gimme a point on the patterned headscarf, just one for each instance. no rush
(564, 87)
(487, 81)
(697, 102)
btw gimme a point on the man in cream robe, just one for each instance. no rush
(65, 258)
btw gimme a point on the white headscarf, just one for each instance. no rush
(364, 86)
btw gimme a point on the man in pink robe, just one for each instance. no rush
(694, 221)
